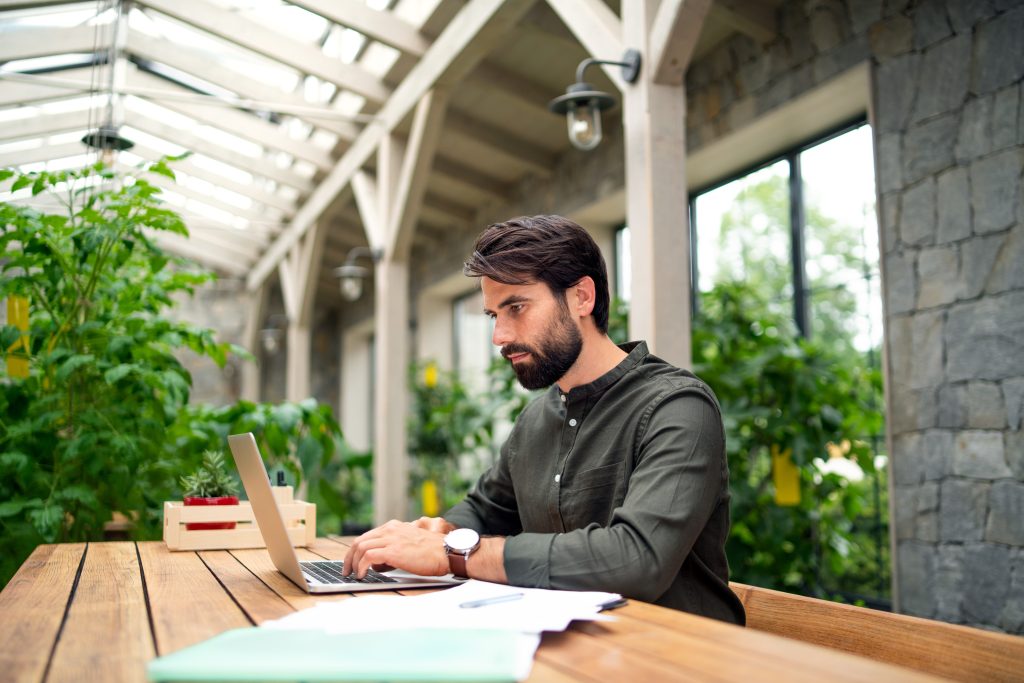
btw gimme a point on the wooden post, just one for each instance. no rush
(299, 272)
(656, 199)
(251, 389)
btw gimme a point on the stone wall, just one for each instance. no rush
(949, 146)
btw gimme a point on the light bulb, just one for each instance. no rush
(584, 125)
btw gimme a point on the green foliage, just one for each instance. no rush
(779, 390)
(85, 433)
(302, 438)
(211, 479)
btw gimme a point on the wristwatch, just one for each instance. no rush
(459, 545)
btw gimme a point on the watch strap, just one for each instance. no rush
(457, 564)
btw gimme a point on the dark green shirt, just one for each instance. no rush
(620, 485)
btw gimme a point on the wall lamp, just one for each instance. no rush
(273, 333)
(351, 276)
(582, 104)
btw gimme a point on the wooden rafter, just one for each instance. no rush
(596, 27)
(674, 34)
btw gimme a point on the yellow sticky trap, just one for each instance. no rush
(786, 477)
(17, 354)
(428, 492)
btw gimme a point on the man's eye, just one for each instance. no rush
(516, 308)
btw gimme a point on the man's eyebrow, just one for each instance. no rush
(508, 301)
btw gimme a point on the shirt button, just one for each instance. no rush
(563, 398)
(572, 422)
(558, 478)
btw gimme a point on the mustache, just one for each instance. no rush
(512, 349)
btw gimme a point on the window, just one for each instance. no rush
(471, 338)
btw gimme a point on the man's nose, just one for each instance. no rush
(502, 332)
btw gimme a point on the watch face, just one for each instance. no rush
(462, 540)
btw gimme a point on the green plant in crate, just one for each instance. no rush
(83, 427)
(301, 437)
(211, 479)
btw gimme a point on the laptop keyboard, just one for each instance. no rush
(330, 572)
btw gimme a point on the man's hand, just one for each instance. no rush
(400, 545)
(438, 524)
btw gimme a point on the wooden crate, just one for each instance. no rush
(299, 520)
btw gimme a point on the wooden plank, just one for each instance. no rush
(107, 631)
(711, 645)
(382, 26)
(32, 605)
(674, 34)
(603, 661)
(52, 40)
(187, 604)
(957, 652)
(598, 30)
(259, 563)
(255, 598)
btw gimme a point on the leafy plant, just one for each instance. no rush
(83, 433)
(303, 438)
(211, 479)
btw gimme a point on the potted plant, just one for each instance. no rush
(210, 484)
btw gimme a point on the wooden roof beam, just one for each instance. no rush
(272, 44)
(44, 42)
(458, 49)
(674, 34)
(384, 27)
(597, 28)
(751, 17)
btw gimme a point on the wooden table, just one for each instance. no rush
(100, 611)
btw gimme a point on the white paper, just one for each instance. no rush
(536, 611)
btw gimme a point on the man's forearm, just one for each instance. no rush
(488, 562)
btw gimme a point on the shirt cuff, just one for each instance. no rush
(527, 560)
(462, 516)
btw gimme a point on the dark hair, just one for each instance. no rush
(548, 249)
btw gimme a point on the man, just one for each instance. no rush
(615, 479)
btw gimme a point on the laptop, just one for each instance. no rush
(320, 576)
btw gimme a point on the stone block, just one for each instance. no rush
(999, 52)
(985, 338)
(987, 567)
(974, 138)
(930, 24)
(905, 508)
(847, 55)
(889, 210)
(1013, 442)
(900, 288)
(965, 14)
(895, 7)
(926, 527)
(864, 14)
(962, 509)
(953, 406)
(936, 287)
(1006, 513)
(1008, 270)
(980, 454)
(944, 77)
(926, 408)
(889, 174)
(827, 19)
(949, 583)
(1005, 115)
(985, 407)
(927, 149)
(1012, 618)
(907, 460)
(754, 76)
(895, 85)
(1013, 394)
(917, 214)
(793, 23)
(977, 263)
(927, 360)
(954, 206)
(916, 568)
(891, 37)
(995, 190)
(927, 497)
(937, 446)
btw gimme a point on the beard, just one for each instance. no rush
(559, 348)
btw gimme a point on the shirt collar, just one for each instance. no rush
(636, 351)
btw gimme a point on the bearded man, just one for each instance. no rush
(615, 479)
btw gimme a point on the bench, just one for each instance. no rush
(956, 652)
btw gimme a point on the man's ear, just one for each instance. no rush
(585, 296)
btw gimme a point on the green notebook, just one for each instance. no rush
(265, 654)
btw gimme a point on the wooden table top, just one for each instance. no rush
(100, 611)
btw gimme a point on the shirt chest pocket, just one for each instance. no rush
(591, 496)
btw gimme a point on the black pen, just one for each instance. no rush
(492, 601)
